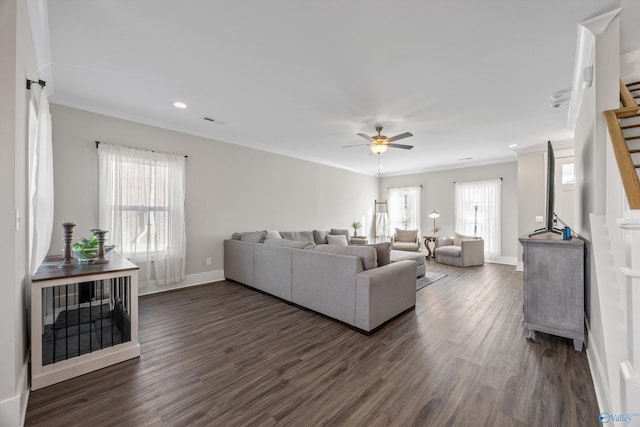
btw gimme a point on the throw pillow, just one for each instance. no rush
(320, 237)
(273, 234)
(336, 231)
(457, 239)
(338, 239)
(383, 251)
(236, 236)
(255, 237)
(406, 235)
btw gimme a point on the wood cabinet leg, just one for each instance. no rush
(528, 333)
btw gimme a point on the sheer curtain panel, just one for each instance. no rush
(404, 208)
(477, 213)
(141, 198)
(40, 179)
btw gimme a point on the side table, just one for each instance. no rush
(358, 240)
(431, 253)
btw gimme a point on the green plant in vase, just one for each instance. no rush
(86, 249)
(356, 225)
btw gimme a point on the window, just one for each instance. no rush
(142, 207)
(404, 208)
(477, 213)
(568, 175)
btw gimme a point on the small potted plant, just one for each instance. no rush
(87, 249)
(356, 226)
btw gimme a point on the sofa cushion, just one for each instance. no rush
(451, 250)
(236, 236)
(338, 239)
(406, 235)
(383, 252)
(320, 237)
(336, 231)
(254, 237)
(301, 236)
(457, 239)
(289, 243)
(367, 254)
(406, 246)
(273, 234)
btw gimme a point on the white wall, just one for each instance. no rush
(229, 188)
(590, 157)
(531, 193)
(17, 63)
(438, 194)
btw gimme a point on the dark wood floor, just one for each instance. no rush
(224, 355)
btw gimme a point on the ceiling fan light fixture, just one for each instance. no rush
(378, 148)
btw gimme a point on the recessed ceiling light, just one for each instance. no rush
(513, 145)
(178, 104)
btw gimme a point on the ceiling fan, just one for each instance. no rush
(379, 143)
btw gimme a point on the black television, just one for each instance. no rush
(549, 211)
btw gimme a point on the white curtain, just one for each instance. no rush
(141, 204)
(404, 208)
(40, 179)
(477, 213)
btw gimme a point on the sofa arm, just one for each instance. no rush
(472, 252)
(238, 261)
(384, 292)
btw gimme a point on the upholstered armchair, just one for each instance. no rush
(405, 240)
(460, 251)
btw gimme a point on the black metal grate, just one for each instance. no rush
(85, 317)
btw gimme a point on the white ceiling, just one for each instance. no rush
(301, 78)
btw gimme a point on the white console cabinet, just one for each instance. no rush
(82, 319)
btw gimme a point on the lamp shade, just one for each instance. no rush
(378, 148)
(434, 214)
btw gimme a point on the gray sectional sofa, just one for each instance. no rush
(342, 282)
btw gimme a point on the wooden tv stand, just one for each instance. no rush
(554, 286)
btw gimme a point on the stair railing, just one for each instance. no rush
(627, 169)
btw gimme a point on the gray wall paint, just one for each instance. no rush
(531, 192)
(438, 194)
(228, 187)
(17, 63)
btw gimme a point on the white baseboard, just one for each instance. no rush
(14, 409)
(507, 260)
(598, 375)
(520, 266)
(190, 280)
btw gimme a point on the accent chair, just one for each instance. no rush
(405, 240)
(460, 251)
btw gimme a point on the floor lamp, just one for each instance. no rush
(434, 214)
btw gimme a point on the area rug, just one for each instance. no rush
(428, 279)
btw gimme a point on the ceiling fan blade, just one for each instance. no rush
(402, 135)
(403, 146)
(367, 137)
(354, 145)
